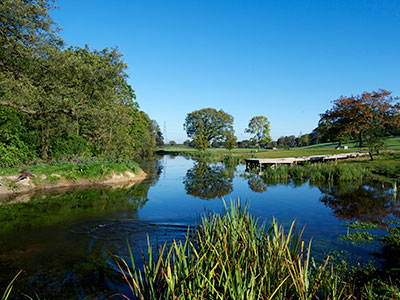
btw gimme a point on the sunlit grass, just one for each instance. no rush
(232, 256)
(391, 143)
(317, 173)
(73, 171)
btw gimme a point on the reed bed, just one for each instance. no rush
(231, 256)
(317, 173)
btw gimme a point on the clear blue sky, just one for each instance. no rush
(286, 60)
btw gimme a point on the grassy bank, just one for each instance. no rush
(391, 143)
(56, 171)
(231, 256)
(239, 154)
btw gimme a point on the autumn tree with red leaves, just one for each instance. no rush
(370, 116)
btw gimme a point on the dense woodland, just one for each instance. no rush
(63, 102)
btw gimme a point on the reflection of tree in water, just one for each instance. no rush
(367, 203)
(256, 183)
(208, 181)
(153, 169)
(46, 208)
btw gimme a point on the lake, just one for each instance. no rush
(63, 240)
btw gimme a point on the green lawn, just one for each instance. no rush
(391, 143)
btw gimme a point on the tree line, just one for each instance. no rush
(366, 118)
(59, 102)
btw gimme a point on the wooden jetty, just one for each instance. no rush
(274, 162)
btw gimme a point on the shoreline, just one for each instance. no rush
(126, 178)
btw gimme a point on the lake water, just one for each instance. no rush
(63, 240)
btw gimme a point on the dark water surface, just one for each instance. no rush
(63, 240)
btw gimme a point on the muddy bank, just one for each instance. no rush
(11, 185)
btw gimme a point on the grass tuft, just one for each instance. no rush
(231, 256)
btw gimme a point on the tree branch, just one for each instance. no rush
(37, 112)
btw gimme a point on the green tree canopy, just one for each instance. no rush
(207, 125)
(230, 141)
(73, 101)
(259, 126)
(360, 113)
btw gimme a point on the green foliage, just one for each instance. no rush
(9, 288)
(370, 282)
(73, 102)
(230, 256)
(158, 133)
(374, 134)
(230, 141)
(317, 173)
(260, 127)
(389, 169)
(390, 252)
(81, 169)
(372, 114)
(207, 125)
(358, 236)
(14, 141)
(361, 225)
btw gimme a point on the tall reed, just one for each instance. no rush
(231, 256)
(9, 288)
(316, 173)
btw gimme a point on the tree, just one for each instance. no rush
(230, 141)
(291, 141)
(282, 142)
(187, 143)
(27, 37)
(158, 133)
(303, 140)
(260, 127)
(374, 138)
(244, 144)
(73, 102)
(317, 136)
(359, 114)
(207, 125)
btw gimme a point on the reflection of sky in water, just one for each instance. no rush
(165, 216)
